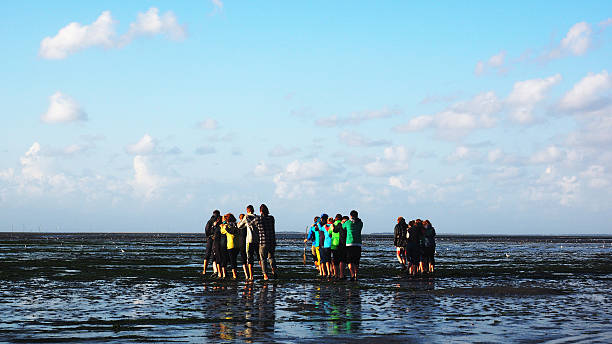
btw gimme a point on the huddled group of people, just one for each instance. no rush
(249, 236)
(415, 245)
(336, 244)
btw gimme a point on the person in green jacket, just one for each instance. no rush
(338, 247)
(353, 243)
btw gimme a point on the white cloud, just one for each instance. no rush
(548, 155)
(357, 117)
(460, 153)
(495, 155)
(416, 124)
(145, 145)
(279, 151)
(588, 93)
(218, 4)
(209, 124)
(145, 183)
(578, 39)
(300, 178)
(74, 37)
(596, 177)
(262, 169)
(480, 68)
(63, 109)
(151, 23)
(357, 140)
(459, 119)
(496, 61)
(526, 94)
(395, 159)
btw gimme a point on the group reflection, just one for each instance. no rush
(340, 307)
(240, 311)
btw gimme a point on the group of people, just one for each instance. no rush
(250, 236)
(415, 245)
(336, 244)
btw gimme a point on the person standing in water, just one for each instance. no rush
(353, 243)
(429, 245)
(399, 241)
(230, 230)
(313, 235)
(339, 257)
(267, 240)
(209, 232)
(251, 240)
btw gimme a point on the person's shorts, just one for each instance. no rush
(325, 254)
(353, 254)
(401, 251)
(428, 253)
(339, 255)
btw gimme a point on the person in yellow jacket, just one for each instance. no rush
(230, 229)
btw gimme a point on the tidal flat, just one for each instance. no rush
(113, 287)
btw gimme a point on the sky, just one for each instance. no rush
(140, 116)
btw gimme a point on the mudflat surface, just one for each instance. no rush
(149, 288)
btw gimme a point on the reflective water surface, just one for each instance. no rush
(149, 287)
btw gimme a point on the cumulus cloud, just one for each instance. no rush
(591, 93)
(460, 153)
(358, 117)
(209, 124)
(526, 94)
(578, 39)
(459, 119)
(145, 145)
(262, 169)
(75, 37)
(151, 23)
(395, 159)
(145, 183)
(548, 155)
(63, 109)
(300, 178)
(496, 62)
(357, 140)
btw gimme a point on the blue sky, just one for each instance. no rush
(146, 116)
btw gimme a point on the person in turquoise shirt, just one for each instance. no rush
(353, 243)
(313, 235)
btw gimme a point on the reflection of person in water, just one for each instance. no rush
(266, 318)
(342, 307)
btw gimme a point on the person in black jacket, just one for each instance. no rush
(413, 251)
(399, 240)
(209, 232)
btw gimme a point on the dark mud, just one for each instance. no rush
(148, 288)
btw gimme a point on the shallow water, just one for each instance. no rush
(148, 287)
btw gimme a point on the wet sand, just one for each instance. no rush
(149, 287)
